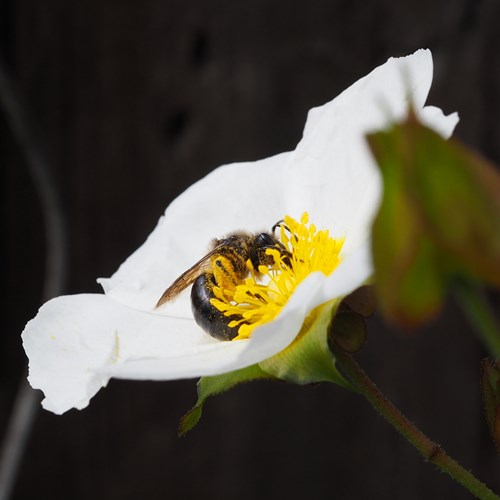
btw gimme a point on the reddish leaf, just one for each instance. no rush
(457, 195)
(407, 269)
(439, 219)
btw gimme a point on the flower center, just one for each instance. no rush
(266, 291)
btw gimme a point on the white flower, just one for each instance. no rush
(76, 343)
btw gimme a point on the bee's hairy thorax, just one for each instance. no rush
(229, 265)
(228, 269)
(225, 266)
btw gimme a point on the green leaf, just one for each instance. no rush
(457, 194)
(210, 386)
(439, 219)
(308, 358)
(490, 383)
(407, 268)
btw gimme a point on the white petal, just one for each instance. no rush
(223, 357)
(77, 342)
(332, 174)
(74, 337)
(434, 118)
(380, 97)
(63, 345)
(245, 196)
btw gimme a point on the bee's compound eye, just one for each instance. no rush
(265, 240)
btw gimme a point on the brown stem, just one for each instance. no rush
(430, 450)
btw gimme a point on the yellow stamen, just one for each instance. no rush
(262, 296)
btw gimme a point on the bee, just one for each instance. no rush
(225, 266)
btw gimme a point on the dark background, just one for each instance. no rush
(135, 100)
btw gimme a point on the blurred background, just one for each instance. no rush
(130, 102)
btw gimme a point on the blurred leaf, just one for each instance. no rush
(490, 382)
(439, 219)
(407, 270)
(457, 194)
(210, 386)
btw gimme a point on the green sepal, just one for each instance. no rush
(490, 384)
(348, 331)
(362, 301)
(210, 386)
(308, 358)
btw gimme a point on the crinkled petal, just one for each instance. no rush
(434, 118)
(77, 342)
(332, 173)
(245, 196)
(73, 338)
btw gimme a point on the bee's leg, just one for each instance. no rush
(224, 273)
(206, 315)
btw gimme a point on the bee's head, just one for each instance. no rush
(258, 255)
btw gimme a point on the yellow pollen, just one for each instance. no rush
(266, 291)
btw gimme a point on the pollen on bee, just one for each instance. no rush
(266, 291)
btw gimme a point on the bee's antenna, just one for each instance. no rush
(279, 224)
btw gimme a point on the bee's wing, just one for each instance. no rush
(187, 277)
